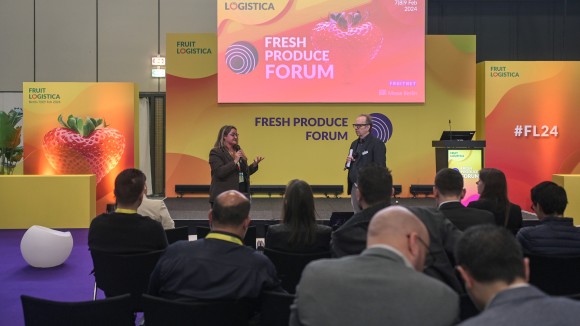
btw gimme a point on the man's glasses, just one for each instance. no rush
(359, 125)
(429, 258)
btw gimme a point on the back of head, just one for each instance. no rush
(449, 182)
(551, 198)
(231, 208)
(490, 253)
(129, 186)
(375, 184)
(298, 212)
(393, 226)
(495, 185)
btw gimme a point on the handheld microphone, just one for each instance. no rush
(348, 163)
(236, 148)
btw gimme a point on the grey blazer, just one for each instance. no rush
(527, 306)
(374, 288)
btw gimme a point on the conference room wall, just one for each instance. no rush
(112, 41)
(92, 40)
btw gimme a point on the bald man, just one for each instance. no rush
(383, 285)
(219, 266)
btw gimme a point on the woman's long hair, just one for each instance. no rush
(495, 190)
(299, 214)
(224, 131)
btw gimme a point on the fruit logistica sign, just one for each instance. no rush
(324, 51)
(80, 128)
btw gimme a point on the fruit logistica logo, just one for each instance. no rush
(40, 93)
(242, 57)
(249, 6)
(382, 127)
(502, 72)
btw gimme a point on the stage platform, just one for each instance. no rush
(192, 212)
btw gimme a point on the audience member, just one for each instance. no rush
(449, 192)
(374, 190)
(555, 234)
(444, 236)
(492, 188)
(383, 285)
(298, 231)
(156, 210)
(126, 231)
(218, 266)
(495, 272)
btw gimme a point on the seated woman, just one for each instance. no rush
(492, 188)
(298, 231)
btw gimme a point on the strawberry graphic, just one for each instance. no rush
(352, 42)
(79, 147)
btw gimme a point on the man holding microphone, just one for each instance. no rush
(365, 150)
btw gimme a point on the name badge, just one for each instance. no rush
(365, 152)
(241, 177)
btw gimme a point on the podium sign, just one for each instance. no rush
(466, 157)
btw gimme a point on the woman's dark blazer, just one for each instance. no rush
(278, 235)
(514, 218)
(224, 172)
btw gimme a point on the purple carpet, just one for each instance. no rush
(70, 281)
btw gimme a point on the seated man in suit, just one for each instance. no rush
(495, 272)
(448, 192)
(126, 231)
(218, 266)
(555, 234)
(383, 285)
(374, 190)
(156, 210)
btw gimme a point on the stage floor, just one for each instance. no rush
(270, 208)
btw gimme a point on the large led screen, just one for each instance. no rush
(356, 51)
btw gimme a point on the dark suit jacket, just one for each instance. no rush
(464, 217)
(443, 236)
(351, 237)
(371, 151)
(514, 217)
(278, 235)
(527, 306)
(126, 234)
(225, 174)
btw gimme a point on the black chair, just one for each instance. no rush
(555, 275)
(177, 234)
(249, 239)
(118, 274)
(114, 311)
(275, 309)
(337, 219)
(163, 312)
(289, 266)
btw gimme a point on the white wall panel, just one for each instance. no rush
(16, 44)
(128, 38)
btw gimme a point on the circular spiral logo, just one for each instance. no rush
(242, 57)
(382, 127)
